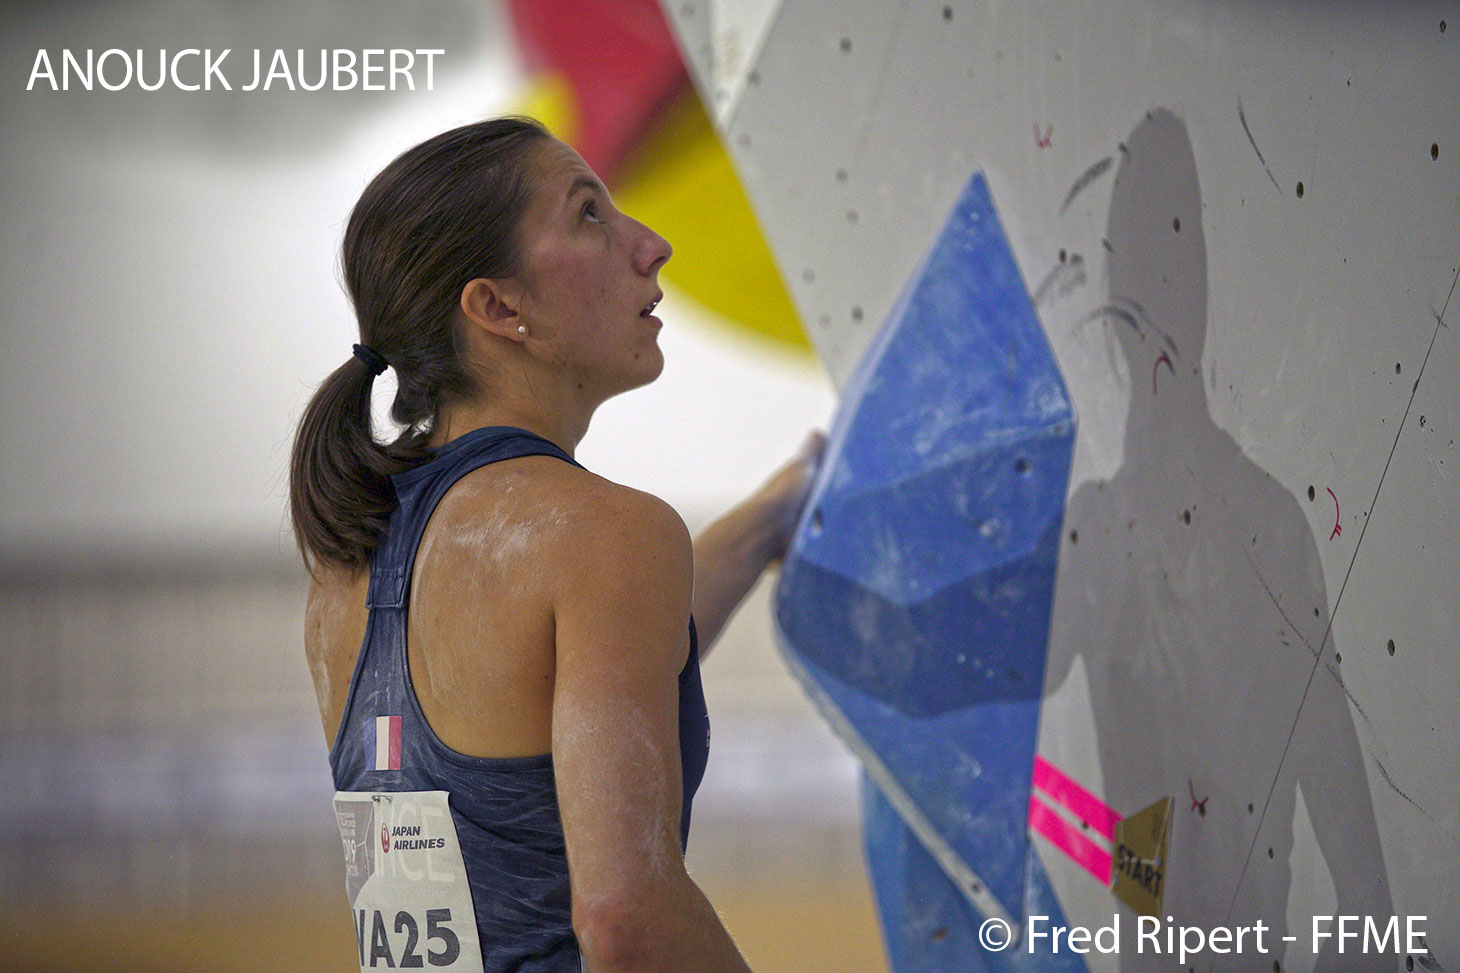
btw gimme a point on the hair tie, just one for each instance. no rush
(372, 359)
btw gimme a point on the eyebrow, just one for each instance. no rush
(585, 182)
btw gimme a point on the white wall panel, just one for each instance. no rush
(1313, 313)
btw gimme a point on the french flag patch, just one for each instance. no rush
(384, 739)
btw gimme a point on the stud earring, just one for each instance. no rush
(522, 329)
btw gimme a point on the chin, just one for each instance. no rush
(641, 371)
(652, 371)
(650, 363)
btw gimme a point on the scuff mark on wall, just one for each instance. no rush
(1086, 178)
(1135, 317)
(1242, 116)
(1396, 789)
(1062, 278)
(1278, 605)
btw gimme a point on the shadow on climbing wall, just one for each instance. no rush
(1191, 591)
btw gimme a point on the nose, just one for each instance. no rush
(651, 252)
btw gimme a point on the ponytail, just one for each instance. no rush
(440, 215)
(340, 495)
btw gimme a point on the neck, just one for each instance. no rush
(563, 427)
(1169, 424)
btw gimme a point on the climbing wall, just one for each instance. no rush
(1239, 229)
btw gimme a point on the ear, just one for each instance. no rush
(491, 305)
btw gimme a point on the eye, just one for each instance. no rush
(590, 211)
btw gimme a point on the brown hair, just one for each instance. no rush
(442, 214)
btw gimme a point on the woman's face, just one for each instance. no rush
(588, 273)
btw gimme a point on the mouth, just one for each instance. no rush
(649, 308)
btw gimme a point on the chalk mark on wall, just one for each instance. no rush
(1337, 528)
(1243, 117)
(1043, 141)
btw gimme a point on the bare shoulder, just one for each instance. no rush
(619, 529)
(618, 511)
(575, 518)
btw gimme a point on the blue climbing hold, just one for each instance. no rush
(914, 603)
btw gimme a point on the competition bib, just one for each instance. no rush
(406, 881)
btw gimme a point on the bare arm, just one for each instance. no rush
(731, 554)
(622, 622)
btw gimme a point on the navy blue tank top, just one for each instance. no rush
(505, 809)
